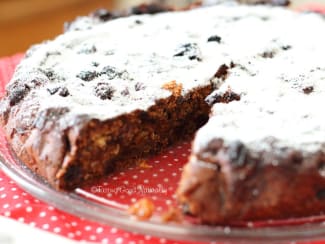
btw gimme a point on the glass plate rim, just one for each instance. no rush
(74, 204)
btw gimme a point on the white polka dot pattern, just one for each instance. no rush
(134, 184)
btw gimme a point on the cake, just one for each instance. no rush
(114, 89)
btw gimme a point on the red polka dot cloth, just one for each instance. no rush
(15, 203)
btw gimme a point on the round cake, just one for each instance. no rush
(114, 89)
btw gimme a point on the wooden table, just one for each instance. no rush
(25, 22)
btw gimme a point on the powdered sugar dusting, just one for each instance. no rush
(120, 66)
(150, 50)
(281, 96)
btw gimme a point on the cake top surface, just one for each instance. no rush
(281, 93)
(105, 69)
(271, 57)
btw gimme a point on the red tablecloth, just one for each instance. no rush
(15, 203)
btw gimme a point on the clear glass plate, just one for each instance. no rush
(108, 200)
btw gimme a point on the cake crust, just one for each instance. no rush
(229, 183)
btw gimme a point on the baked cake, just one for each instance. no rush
(112, 90)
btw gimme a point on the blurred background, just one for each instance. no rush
(24, 22)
